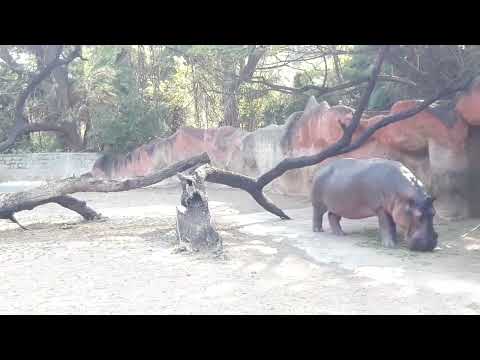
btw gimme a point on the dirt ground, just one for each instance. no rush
(125, 264)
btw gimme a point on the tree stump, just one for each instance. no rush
(195, 227)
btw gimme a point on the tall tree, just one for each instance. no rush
(237, 70)
(52, 121)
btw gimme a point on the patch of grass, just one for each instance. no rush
(367, 237)
(370, 234)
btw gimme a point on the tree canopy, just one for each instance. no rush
(114, 98)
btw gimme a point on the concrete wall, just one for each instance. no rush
(44, 166)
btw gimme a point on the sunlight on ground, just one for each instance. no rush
(449, 286)
(472, 239)
(267, 229)
(382, 274)
(14, 186)
(266, 250)
(221, 289)
(294, 267)
(272, 265)
(122, 238)
(473, 247)
(256, 267)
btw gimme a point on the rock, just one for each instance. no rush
(412, 134)
(468, 104)
(449, 181)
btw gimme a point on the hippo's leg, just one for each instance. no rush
(388, 231)
(334, 221)
(318, 211)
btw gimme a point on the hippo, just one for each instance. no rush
(362, 188)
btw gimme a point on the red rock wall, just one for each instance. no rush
(434, 151)
(186, 142)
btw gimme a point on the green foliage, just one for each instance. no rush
(430, 67)
(136, 93)
(134, 124)
(123, 117)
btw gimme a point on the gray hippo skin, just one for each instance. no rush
(361, 188)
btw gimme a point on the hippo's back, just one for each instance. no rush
(371, 168)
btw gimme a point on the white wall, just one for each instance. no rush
(44, 166)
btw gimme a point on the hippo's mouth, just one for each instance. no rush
(422, 244)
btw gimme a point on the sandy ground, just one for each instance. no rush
(125, 264)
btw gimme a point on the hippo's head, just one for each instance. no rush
(416, 217)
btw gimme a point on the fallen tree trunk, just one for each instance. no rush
(245, 183)
(57, 192)
(13, 203)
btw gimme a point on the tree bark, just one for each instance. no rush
(19, 202)
(60, 102)
(22, 126)
(245, 183)
(195, 227)
(324, 90)
(56, 192)
(230, 88)
(232, 83)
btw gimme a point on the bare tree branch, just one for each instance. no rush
(323, 90)
(294, 163)
(336, 62)
(253, 58)
(325, 72)
(318, 53)
(57, 191)
(406, 67)
(21, 126)
(387, 120)
(245, 183)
